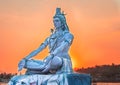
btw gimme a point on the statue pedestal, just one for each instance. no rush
(52, 79)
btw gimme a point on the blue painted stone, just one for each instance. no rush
(52, 79)
(79, 79)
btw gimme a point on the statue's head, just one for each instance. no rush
(60, 20)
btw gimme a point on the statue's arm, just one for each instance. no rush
(39, 49)
(67, 42)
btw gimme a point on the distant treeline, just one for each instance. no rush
(103, 73)
(5, 77)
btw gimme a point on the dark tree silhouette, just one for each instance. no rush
(5, 77)
(103, 73)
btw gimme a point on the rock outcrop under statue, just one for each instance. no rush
(52, 79)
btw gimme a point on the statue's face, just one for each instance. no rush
(57, 22)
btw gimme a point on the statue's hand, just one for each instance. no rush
(21, 64)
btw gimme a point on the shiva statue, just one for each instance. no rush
(56, 68)
(59, 42)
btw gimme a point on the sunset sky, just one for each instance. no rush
(95, 24)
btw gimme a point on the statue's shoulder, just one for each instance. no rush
(68, 34)
(68, 37)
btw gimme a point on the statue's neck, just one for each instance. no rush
(59, 31)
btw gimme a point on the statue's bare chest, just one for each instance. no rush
(55, 41)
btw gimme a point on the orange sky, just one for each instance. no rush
(95, 24)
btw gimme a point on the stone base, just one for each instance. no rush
(52, 79)
(78, 79)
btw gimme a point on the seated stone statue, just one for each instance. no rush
(57, 65)
(59, 42)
